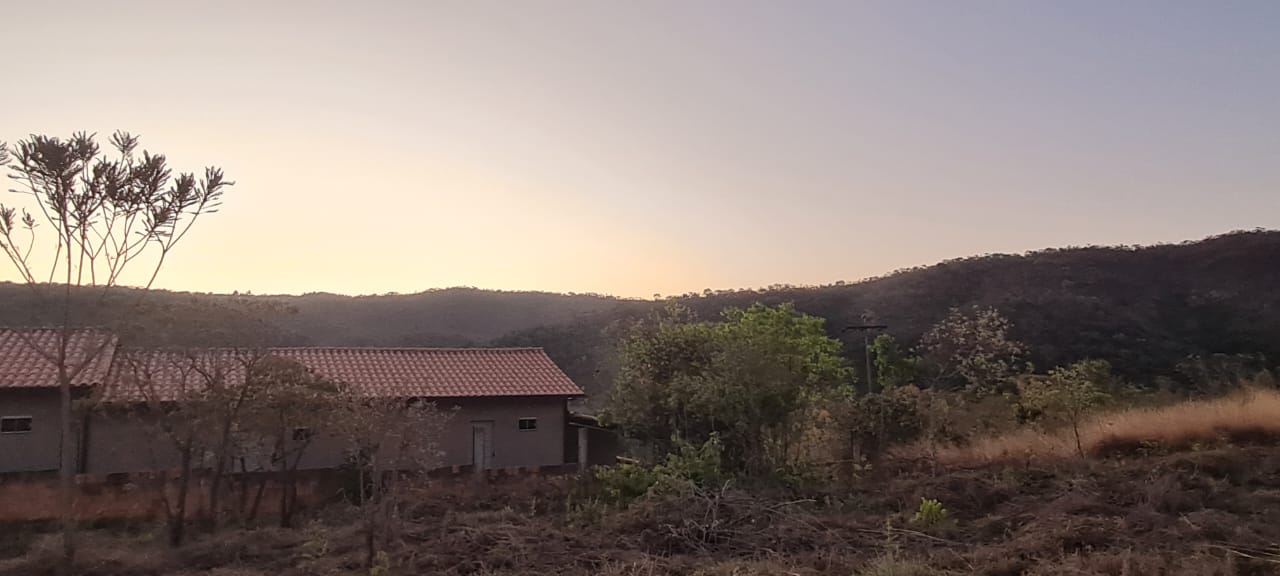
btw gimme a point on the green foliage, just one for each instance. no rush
(930, 514)
(894, 368)
(691, 466)
(747, 379)
(875, 422)
(975, 349)
(1069, 393)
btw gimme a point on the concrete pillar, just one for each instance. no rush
(583, 452)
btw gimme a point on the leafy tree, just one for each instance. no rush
(894, 367)
(102, 215)
(975, 349)
(1069, 393)
(747, 378)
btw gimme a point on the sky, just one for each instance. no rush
(662, 147)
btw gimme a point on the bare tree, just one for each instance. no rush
(167, 392)
(291, 404)
(393, 439)
(103, 214)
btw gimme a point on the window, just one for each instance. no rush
(528, 424)
(15, 424)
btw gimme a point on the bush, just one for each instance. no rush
(692, 466)
(876, 422)
(930, 514)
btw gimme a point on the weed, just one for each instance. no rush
(930, 514)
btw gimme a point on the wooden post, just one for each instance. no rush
(583, 452)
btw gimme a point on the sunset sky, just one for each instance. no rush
(635, 148)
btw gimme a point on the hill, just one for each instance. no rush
(1156, 311)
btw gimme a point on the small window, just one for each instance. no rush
(528, 424)
(302, 434)
(15, 424)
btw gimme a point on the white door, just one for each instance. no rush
(482, 444)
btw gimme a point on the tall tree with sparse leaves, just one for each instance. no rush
(94, 217)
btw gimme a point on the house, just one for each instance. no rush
(508, 405)
(30, 418)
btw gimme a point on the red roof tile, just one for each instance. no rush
(28, 357)
(166, 375)
(438, 372)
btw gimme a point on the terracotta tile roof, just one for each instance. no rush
(28, 357)
(438, 372)
(167, 375)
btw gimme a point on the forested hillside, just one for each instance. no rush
(1152, 311)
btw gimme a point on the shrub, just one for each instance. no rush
(692, 466)
(930, 514)
(876, 422)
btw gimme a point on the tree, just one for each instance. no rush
(1069, 393)
(172, 399)
(103, 215)
(747, 379)
(975, 349)
(894, 367)
(291, 405)
(389, 436)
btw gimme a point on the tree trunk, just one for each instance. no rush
(215, 483)
(1075, 427)
(178, 521)
(66, 468)
(257, 498)
(286, 512)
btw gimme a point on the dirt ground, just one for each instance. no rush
(1202, 513)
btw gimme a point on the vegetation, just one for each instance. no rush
(749, 380)
(1192, 513)
(742, 408)
(1069, 393)
(1246, 416)
(95, 218)
(1182, 316)
(930, 514)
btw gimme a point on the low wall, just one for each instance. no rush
(145, 496)
(28, 497)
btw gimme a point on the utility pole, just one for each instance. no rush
(866, 347)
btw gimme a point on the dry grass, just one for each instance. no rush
(1250, 415)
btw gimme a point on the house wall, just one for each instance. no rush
(36, 450)
(125, 444)
(511, 447)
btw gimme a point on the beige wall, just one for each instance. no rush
(128, 445)
(512, 447)
(123, 443)
(36, 450)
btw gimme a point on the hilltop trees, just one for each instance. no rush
(94, 218)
